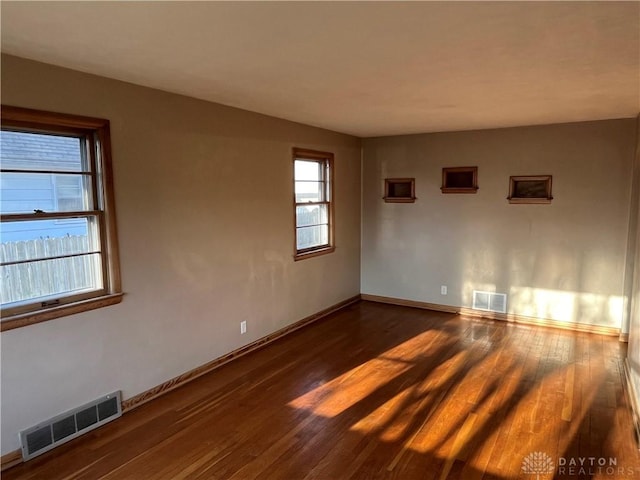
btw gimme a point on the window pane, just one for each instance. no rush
(308, 170)
(70, 193)
(35, 151)
(37, 239)
(26, 192)
(309, 192)
(312, 215)
(308, 237)
(42, 279)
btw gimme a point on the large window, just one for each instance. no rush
(58, 252)
(313, 202)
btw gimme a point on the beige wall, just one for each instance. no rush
(205, 222)
(633, 355)
(632, 237)
(563, 261)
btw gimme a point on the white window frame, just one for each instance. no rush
(96, 141)
(326, 161)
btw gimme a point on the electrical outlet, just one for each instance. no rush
(243, 327)
(443, 290)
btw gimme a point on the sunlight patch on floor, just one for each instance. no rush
(395, 418)
(341, 393)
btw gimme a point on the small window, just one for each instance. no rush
(399, 190)
(530, 189)
(58, 241)
(459, 180)
(313, 203)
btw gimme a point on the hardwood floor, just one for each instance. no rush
(379, 392)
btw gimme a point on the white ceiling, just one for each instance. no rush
(364, 68)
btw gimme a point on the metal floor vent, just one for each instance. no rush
(69, 425)
(489, 301)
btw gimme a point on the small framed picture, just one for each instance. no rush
(459, 180)
(530, 189)
(399, 190)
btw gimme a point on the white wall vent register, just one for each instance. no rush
(489, 301)
(69, 425)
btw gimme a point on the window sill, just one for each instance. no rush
(399, 199)
(313, 253)
(31, 318)
(459, 189)
(529, 201)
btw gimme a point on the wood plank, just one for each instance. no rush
(567, 406)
